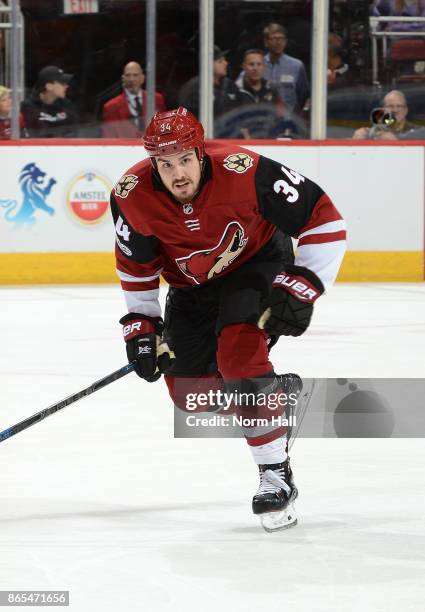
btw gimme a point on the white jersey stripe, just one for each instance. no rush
(332, 226)
(128, 278)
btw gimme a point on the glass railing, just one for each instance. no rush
(261, 70)
(378, 80)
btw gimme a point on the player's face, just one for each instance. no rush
(254, 67)
(181, 174)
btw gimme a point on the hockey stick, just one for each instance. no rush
(39, 416)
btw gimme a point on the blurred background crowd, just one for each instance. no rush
(84, 72)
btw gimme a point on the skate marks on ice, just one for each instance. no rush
(339, 562)
(349, 543)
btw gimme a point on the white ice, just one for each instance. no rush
(101, 500)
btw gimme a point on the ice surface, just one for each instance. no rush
(99, 499)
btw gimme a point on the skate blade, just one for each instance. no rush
(278, 521)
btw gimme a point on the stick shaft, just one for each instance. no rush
(43, 414)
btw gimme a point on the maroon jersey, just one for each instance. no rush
(243, 198)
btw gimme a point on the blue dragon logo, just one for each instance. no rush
(34, 192)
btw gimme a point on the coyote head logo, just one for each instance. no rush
(204, 265)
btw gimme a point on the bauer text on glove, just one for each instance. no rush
(289, 307)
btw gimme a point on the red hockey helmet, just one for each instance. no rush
(174, 131)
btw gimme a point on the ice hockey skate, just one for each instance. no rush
(274, 499)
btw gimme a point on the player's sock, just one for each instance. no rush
(272, 452)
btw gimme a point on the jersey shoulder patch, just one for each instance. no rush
(132, 177)
(126, 183)
(232, 160)
(238, 162)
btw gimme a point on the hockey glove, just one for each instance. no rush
(289, 307)
(144, 344)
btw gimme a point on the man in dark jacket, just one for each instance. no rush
(263, 99)
(226, 93)
(47, 112)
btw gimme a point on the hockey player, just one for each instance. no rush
(215, 222)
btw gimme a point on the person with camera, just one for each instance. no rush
(388, 122)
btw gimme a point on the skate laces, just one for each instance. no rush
(272, 482)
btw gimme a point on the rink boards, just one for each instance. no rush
(55, 224)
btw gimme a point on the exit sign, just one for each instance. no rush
(78, 7)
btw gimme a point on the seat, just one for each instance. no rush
(407, 60)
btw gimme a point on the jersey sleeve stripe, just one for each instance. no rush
(129, 278)
(146, 287)
(324, 212)
(321, 238)
(332, 226)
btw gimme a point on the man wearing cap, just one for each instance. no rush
(47, 112)
(226, 93)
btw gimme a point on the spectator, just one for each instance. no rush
(226, 93)
(125, 115)
(47, 112)
(401, 8)
(283, 71)
(338, 70)
(395, 103)
(254, 90)
(5, 111)
(251, 82)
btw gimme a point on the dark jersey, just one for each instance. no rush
(57, 120)
(243, 199)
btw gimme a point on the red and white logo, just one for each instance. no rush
(88, 198)
(299, 287)
(134, 327)
(204, 265)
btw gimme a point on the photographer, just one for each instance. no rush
(389, 124)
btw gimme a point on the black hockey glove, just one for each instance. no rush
(289, 307)
(144, 344)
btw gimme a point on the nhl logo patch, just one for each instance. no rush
(125, 185)
(238, 162)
